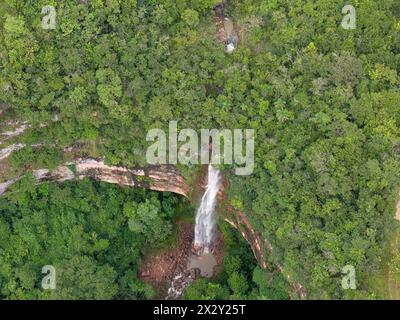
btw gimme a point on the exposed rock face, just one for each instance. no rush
(5, 185)
(61, 174)
(240, 222)
(158, 178)
(18, 130)
(259, 246)
(4, 153)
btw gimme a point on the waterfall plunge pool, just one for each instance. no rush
(205, 263)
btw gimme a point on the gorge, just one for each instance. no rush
(165, 178)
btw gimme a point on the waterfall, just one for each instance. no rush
(203, 260)
(205, 217)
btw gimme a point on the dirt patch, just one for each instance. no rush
(226, 29)
(220, 35)
(159, 269)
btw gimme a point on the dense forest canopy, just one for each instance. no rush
(94, 234)
(323, 101)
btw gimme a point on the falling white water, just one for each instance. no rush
(205, 217)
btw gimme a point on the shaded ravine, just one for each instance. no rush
(164, 178)
(260, 246)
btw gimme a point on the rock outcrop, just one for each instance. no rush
(17, 129)
(159, 178)
(259, 246)
(239, 221)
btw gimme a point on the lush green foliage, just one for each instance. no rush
(323, 101)
(241, 278)
(327, 172)
(395, 266)
(83, 230)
